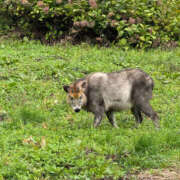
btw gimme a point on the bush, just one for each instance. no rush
(136, 23)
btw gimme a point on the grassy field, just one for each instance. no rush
(42, 138)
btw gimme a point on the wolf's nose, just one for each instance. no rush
(77, 110)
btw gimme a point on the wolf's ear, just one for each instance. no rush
(66, 88)
(84, 85)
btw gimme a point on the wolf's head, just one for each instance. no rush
(76, 94)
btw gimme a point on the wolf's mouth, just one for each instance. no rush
(77, 110)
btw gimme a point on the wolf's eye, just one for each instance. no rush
(80, 97)
(71, 98)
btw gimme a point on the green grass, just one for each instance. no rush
(34, 103)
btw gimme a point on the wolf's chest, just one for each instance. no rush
(117, 100)
(117, 104)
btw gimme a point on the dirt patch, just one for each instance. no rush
(165, 174)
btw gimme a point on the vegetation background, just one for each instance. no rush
(40, 137)
(127, 23)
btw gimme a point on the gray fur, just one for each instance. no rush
(109, 92)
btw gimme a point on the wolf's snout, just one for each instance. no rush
(77, 110)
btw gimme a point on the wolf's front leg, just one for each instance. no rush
(111, 118)
(97, 119)
(98, 110)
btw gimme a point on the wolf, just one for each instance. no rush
(105, 93)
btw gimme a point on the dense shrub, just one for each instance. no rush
(136, 23)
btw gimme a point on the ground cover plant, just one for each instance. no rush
(42, 138)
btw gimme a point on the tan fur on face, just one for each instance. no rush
(75, 92)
